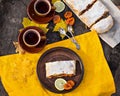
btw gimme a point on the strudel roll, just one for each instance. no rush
(103, 25)
(92, 13)
(79, 6)
(60, 68)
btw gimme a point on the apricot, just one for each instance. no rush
(71, 82)
(56, 19)
(67, 86)
(70, 21)
(68, 14)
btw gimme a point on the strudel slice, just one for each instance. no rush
(60, 68)
(78, 6)
(97, 11)
(103, 25)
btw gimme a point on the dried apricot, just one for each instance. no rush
(67, 86)
(71, 82)
(56, 19)
(68, 14)
(70, 21)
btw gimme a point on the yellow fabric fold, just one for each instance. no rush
(18, 72)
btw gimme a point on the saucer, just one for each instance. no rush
(36, 18)
(36, 49)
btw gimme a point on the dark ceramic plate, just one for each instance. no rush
(36, 49)
(39, 19)
(58, 54)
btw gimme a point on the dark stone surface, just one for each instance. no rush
(11, 15)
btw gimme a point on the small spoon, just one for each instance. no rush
(70, 30)
(62, 31)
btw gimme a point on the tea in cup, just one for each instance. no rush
(42, 7)
(31, 38)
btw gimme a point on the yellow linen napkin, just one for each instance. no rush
(18, 72)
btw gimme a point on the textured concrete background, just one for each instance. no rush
(11, 15)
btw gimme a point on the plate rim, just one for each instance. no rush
(63, 48)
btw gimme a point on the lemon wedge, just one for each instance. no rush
(59, 84)
(60, 6)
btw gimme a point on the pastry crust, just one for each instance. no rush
(103, 25)
(97, 11)
(60, 68)
(94, 14)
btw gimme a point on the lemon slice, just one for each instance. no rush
(60, 6)
(59, 84)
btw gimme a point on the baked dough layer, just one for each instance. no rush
(60, 68)
(103, 25)
(94, 13)
(79, 5)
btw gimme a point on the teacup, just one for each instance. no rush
(43, 7)
(31, 38)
